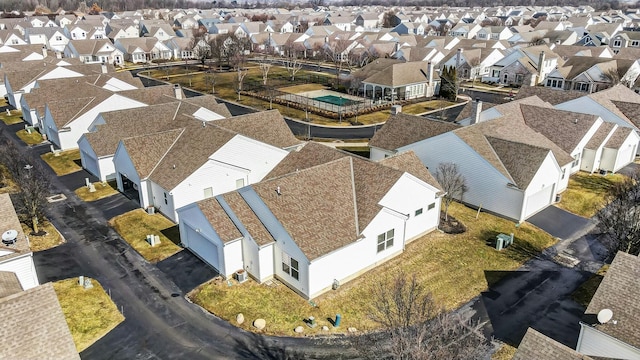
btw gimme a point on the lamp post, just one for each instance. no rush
(340, 109)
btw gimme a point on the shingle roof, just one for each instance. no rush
(410, 163)
(467, 110)
(600, 135)
(535, 345)
(620, 291)
(400, 74)
(513, 154)
(618, 93)
(565, 128)
(9, 221)
(619, 136)
(316, 224)
(50, 339)
(630, 109)
(403, 129)
(309, 155)
(146, 151)
(215, 214)
(248, 218)
(9, 284)
(552, 96)
(190, 150)
(266, 126)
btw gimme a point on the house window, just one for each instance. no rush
(239, 183)
(519, 78)
(290, 266)
(165, 199)
(617, 43)
(431, 206)
(635, 43)
(14, 41)
(576, 161)
(582, 86)
(505, 78)
(208, 192)
(58, 38)
(564, 172)
(418, 212)
(385, 240)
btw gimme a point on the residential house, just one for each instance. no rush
(54, 39)
(494, 33)
(44, 91)
(162, 32)
(65, 120)
(368, 21)
(591, 74)
(182, 47)
(201, 159)
(465, 31)
(98, 146)
(472, 63)
(11, 37)
(409, 28)
(94, 51)
(610, 327)
(509, 186)
(391, 79)
(625, 39)
(16, 257)
(524, 66)
(141, 50)
(304, 224)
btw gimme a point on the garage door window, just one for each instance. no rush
(290, 266)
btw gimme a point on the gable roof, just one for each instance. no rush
(268, 127)
(309, 155)
(512, 155)
(410, 163)
(404, 129)
(552, 96)
(620, 291)
(145, 151)
(50, 339)
(248, 218)
(400, 74)
(215, 214)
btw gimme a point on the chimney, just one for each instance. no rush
(44, 51)
(178, 91)
(396, 47)
(458, 57)
(541, 74)
(58, 55)
(103, 68)
(429, 72)
(475, 111)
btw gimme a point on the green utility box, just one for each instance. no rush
(503, 240)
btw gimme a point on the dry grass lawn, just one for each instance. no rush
(297, 89)
(426, 106)
(586, 193)
(7, 185)
(103, 190)
(583, 294)
(66, 162)
(455, 268)
(505, 352)
(90, 313)
(50, 240)
(30, 139)
(14, 118)
(136, 224)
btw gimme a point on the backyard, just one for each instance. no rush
(452, 267)
(586, 193)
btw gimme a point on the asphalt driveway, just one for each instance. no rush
(186, 270)
(559, 223)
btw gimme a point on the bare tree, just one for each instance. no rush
(453, 183)
(474, 67)
(613, 76)
(241, 74)
(293, 65)
(413, 327)
(337, 51)
(620, 219)
(264, 69)
(201, 49)
(34, 182)
(210, 78)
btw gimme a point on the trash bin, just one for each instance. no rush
(337, 322)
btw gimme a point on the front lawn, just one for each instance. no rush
(15, 117)
(66, 162)
(134, 227)
(90, 313)
(30, 139)
(426, 106)
(50, 239)
(453, 267)
(587, 193)
(103, 190)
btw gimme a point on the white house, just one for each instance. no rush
(201, 160)
(94, 51)
(16, 257)
(315, 224)
(65, 120)
(98, 146)
(610, 327)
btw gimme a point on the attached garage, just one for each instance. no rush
(539, 200)
(90, 163)
(202, 247)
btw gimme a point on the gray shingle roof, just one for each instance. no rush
(309, 155)
(9, 221)
(9, 284)
(403, 129)
(248, 218)
(601, 134)
(410, 163)
(535, 345)
(266, 126)
(620, 291)
(511, 155)
(619, 136)
(145, 151)
(50, 339)
(630, 109)
(552, 96)
(215, 214)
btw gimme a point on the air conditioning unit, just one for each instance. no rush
(241, 275)
(151, 210)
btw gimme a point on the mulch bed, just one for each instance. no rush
(451, 225)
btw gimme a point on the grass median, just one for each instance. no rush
(134, 227)
(64, 162)
(102, 190)
(455, 268)
(90, 313)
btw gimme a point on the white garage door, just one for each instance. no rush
(626, 156)
(90, 163)
(539, 200)
(202, 247)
